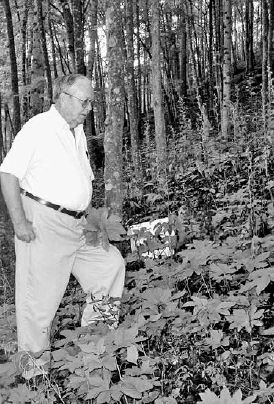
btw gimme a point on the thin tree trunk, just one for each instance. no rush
(100, 91)
(90, 122)
(53, 53)
(226, 106)
(183, 55)
(24, 59)
(218, 13)
(40, 17)
(139, 71)
(1, 132)
(61, 56)
(77, 12)
(13, 68)
(271, 39)
(92, 37)
(158, 108)
(249, 15)
(68, 18)
(37, 69)
(265, 99)
(132, 95)
(115, 109)
(210, 56)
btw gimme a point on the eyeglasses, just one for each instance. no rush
(84, 103)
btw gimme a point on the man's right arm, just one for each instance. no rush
(11, 192)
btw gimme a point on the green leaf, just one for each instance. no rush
(140, 383)
(225, 398)
(239, 319)
(157, 295)
(109, 363)
(94, 392)
(208, 398)
(125, 337)
(114, 228)
(130, 390)
(59, 355)
(95, 381)
(268, 331)
(103, 397)
(116, 392)
(165, 400)
(132, 354)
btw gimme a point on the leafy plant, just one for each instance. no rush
(102, 226)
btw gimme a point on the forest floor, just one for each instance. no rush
(195, 327)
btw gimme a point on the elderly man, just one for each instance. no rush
(46, 181)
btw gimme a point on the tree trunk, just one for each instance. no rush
(249, 16)
(210, 57)
(13, 68)
(37, 69)
(115, 109)
(25, 103)
(100, 92)
(226, 106)
(271, 39)
(183, 55)
(265, 26)
(92, 37)
(40, 17)
(2, 152)
(77, 12)
(132, 96)
(70, 32)
(53, 53)
(90, 123)
(218, 14)
(158, 108)
(139, 72)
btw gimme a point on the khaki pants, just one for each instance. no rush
(43, 268)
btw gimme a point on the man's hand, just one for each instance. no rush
(11, 191)
(24, 231)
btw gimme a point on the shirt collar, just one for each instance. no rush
(59, 121)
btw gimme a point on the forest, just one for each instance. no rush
(180, 139)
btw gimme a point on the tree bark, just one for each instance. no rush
(37, 69)
(271, 38)
(158, 108)
(183, 55)
(115, 109)
(40, 17)
(132, 96)
(90, 122)
(92, 36)
(139, 72)
(226, 105)
(53, 53)
(77, 12)
(2, 151)
(265, 26)
(249, 16)
(68, 18)
(13, 68)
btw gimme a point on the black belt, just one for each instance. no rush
(74, 213)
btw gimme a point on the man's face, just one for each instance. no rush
(77, 101)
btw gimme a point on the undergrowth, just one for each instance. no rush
(197, 326)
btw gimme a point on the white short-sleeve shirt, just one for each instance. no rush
(50, 162)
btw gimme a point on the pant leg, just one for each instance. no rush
(101, 274)
(43, 268)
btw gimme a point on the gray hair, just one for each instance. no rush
(63, 83)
